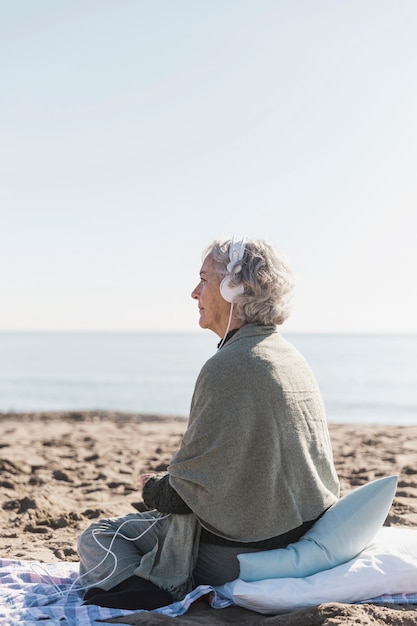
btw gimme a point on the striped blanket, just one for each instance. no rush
(49, 595)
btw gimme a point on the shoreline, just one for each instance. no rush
(89, 415)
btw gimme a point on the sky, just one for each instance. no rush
(135, 132)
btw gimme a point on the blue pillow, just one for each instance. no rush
(338, 536)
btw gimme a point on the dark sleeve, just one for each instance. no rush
(159, 494)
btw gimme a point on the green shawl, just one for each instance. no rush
(256, 459)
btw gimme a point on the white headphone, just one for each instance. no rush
(228, 291)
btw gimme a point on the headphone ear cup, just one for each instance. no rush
(228, 291)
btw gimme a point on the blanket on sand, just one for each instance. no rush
(37, 593)
(49, 594)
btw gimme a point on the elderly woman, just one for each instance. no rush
(254, 470)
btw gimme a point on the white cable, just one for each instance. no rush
(108, 551)
(227, 328)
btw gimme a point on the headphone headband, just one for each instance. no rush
(236, 253)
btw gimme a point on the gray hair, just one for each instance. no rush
(267, 279)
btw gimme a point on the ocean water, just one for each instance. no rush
(364, 378)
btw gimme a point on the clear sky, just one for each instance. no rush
(135, 132)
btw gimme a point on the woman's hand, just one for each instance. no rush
(144, 478)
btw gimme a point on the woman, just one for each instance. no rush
(254, 470)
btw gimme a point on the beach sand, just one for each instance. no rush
(60, 471)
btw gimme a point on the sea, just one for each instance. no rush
(364, 378)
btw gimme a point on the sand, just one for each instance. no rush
(59, 471)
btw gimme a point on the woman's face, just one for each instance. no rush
(214, 310)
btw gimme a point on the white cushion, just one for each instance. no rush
(387, 566)
(339, 535)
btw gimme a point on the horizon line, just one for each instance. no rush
(198, 331)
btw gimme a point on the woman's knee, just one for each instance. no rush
(87, 538)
